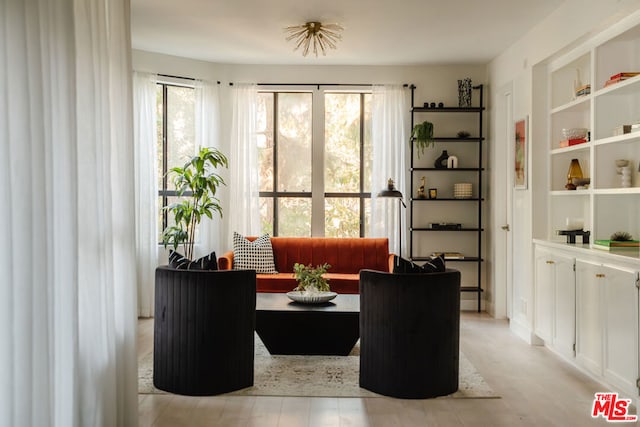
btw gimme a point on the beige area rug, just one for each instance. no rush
(317, 376)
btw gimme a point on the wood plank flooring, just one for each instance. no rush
(537, 389)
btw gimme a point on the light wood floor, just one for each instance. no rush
(537, 389)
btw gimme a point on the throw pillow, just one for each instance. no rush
(180, 262)
(433, 265)
(256, 255)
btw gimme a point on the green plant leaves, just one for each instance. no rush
(197, 178)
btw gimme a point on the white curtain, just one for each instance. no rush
(244, 215)
(390, 139)
(208, 135)
(67, 297)
(146, 187)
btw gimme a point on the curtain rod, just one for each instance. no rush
(179, 77)
(317, 84)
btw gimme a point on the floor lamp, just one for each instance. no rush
(393, 193)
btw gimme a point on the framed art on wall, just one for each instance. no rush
(520, 154)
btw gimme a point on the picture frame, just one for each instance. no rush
(520, 154)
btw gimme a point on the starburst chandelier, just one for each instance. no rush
(314, 35)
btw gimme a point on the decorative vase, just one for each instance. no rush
(464, 93)
(575, 171)
(441, 162)
(452, 162)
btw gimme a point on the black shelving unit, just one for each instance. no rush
(477, 199)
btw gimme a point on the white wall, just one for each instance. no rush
(434, 83)
(573, 22)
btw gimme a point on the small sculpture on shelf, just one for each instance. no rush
(575, 171)
(441, 162)
(464, 93)
(421, 189)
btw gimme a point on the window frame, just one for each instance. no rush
(317, 194)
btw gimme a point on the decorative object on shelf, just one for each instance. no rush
(621, 130)
(198, 178)
(520, 153)
(393, 193)
(440, 104)
(571, 235)
(462, 190)
(574, 133)
(422, 136)
(433, 193)
(575, 224)
(310, 279)
(577, 82)
(452, 162)
(432, 105)
(421, 190)
(445, 226)
(441, 162)
(575, 171)
(464, 93)
(463, 134)
(320, 36)
(624, 169)
(581, 183)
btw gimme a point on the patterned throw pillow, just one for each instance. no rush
(434, 264)
(256, 255)
(179, 262)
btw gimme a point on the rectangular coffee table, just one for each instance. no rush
(288, 327)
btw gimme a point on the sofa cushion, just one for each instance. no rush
(256, 255)
(180, 262)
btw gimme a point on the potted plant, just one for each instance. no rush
(310, 279)
(422, 136)
(198, 181)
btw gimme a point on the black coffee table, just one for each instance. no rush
(288, 327)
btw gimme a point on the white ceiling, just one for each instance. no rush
(376, 32)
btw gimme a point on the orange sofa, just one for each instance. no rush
(347, 256)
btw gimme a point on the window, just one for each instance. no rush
(176, 139)
(314, 182)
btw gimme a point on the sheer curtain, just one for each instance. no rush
(390, 139)
(68, 296)
(146, 187)
(244, 215)
(208, 135)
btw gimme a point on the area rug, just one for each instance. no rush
(317, 376)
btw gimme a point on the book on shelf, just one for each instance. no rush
(608, 245)
(620, 77)
(570, 142)
(625, 75)
(449, 255)
(583, 90)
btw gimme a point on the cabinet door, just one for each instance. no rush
(588, 316)
(544, 295)
(564, 330)
(621, 328)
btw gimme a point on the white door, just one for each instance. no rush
(564, 329)
(501, 202)
(589, 281)
(544, 295)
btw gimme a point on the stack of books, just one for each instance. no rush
(449, 255)
(570, 142)
(617, 78)
(609, 245)
(583, 90)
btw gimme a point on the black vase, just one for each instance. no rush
(441, 162)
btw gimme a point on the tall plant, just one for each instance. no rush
(198, 181)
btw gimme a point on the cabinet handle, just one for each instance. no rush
(600, 275)
(550, 262)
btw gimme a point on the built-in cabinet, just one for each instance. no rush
(586, 299)
(586, 309)
(555, 300)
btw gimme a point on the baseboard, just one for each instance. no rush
(521, 329)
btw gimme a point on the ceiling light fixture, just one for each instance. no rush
(314, 34)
